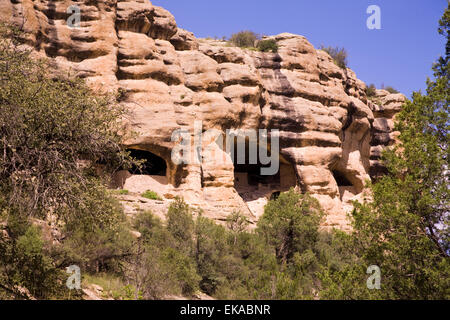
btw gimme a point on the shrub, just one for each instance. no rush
(268, 45)
(27, 269)
(371, 91)
(151, 228)
(164, 263)
(180, 225)
(184, 270)
(99, 239)
(291, 223)
(339, 55)
(244, 39)
(391, 89)
(152, 195)
(48, 127)
(113, 286)
(211, 251)
(233, 263)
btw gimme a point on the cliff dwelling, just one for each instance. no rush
(151, 164)
(170, 79)
(257, 189)
(151, 175)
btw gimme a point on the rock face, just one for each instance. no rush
(330, 135)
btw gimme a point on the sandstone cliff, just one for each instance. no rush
(331, 134)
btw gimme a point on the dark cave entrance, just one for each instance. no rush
(151, 164)
(344, 184)
(249, 178)
(248, 173)
(253, 175)
(341, 180)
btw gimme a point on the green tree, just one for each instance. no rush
(163, 263)
(180, 225)
(27, 269)
(55, 133)
(291, 224)
(405, 228)
(211, 252)
(100, 238)
(55, 137)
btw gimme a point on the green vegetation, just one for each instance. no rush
(37, 273)
(252, 41)
(54, 134)
(163, 263)
(339, 55)
(121, 192)
(244, 39)
(268, 45)
(391, 89)
(113, 286)
(191, 254)
(405, 229)
(152, 195)
(371, 91)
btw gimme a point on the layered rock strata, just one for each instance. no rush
(330, 134)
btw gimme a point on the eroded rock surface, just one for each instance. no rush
(331, 135)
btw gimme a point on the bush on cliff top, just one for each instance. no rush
(244, 39)
(269, 45)
(339, 55)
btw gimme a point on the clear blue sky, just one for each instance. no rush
(400, 54)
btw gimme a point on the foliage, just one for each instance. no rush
(231, 263)
(268, 45)
(161, 265)
(371, 91)
(37, 276)
(291, 224)
(339, 55)
(55, 137)
(405, 229)
(152, 195)
(179, 220)
(391, 89)
(54, 133)
(244, 39)
(99, 239)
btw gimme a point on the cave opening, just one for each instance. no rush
(255, 188)
(151, 164)
(249, 174)
(341, 180)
